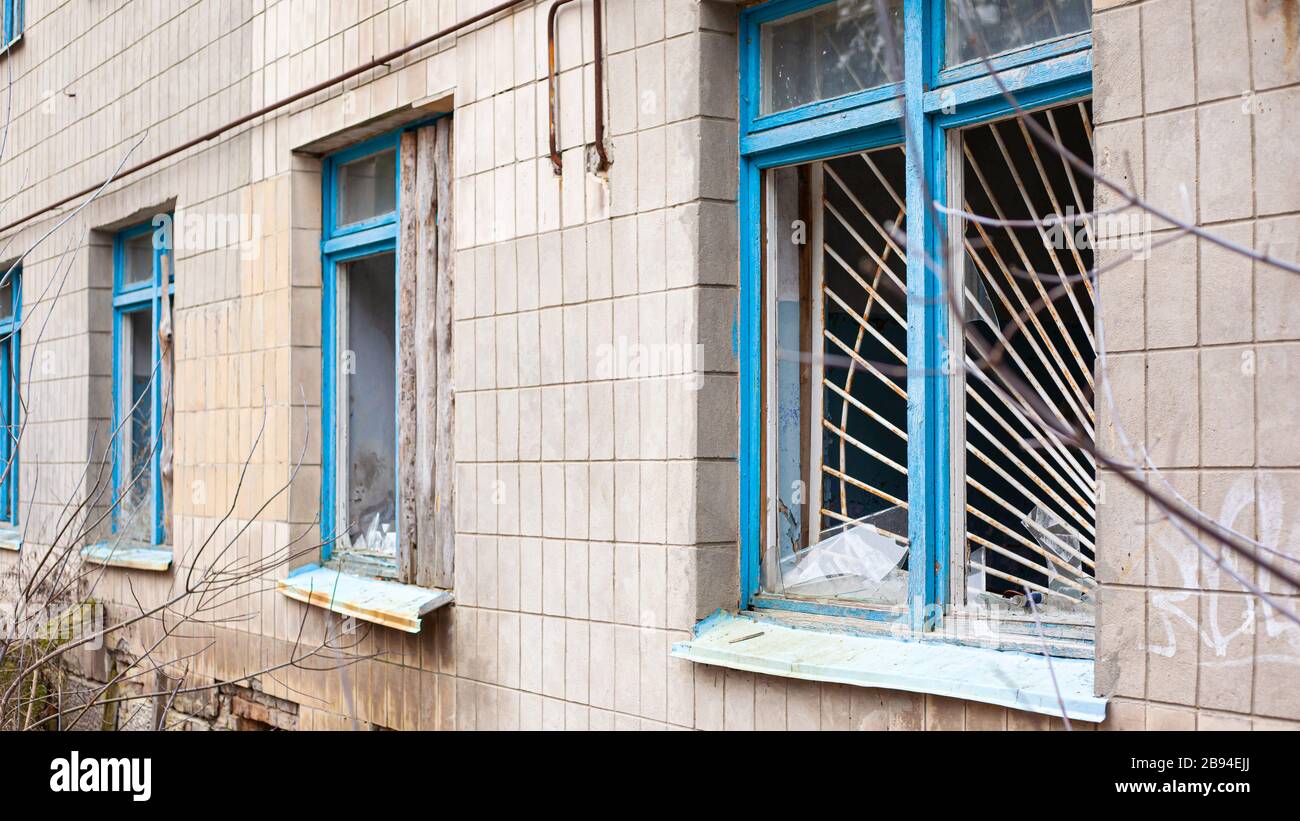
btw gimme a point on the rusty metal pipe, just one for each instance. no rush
(598, 70)
(553, 100)
(598, 75)
(267, 109)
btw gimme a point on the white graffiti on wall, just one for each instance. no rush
(1219, 629)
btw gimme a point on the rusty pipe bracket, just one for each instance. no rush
(598, 69)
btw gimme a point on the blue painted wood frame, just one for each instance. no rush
(1027, 56)
(927, 406)
(10, 404)
(386, 243)
(13, 21)
(934, 100)
(1053, 81)
(144, 296)
(937, 74)
(332, 230)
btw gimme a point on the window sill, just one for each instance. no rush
(129, 556)
(1020, 681)
(391, 604)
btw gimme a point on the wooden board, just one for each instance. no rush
(443, 468)
(426, 379)
(407, 277)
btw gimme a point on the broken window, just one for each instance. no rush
(367, 425)
(836, 320)
(879, 479)
(386, 491)
(142, 406)
(362, 276)
(1030, 509)
(10, 400)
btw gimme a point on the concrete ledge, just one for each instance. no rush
(400, 606)
(1017, 680)
(129, 556)
(11, 539)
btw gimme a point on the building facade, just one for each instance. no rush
(487, 379)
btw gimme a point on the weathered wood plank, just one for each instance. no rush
(167, 386)
(426, 378)
(443, 470)
(407, 277)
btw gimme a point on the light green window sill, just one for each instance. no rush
(129, 556)
(10, 538)
(391, 604)
(1017, 680)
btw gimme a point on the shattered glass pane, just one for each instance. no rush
(1058, 537)
(135, 516)
(829, 51)
(1030, 496)
(369, 369)
(836, 327)
(858, 560)
(983, 28)
(137, 262)
(979, 305)
(368, 187)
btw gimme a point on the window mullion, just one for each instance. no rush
(342, 345)
(920, 576)
(953, 192)
(926, 415)
(771, 489)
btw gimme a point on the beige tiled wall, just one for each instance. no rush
(1193, 104)
(596, 509)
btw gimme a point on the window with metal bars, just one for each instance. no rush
(836, 314)
(889, 471)
(1029, 495)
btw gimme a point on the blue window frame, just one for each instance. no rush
(359, 347)
(11, 303)
(935, 97)
(142, 281)
(13, 20)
